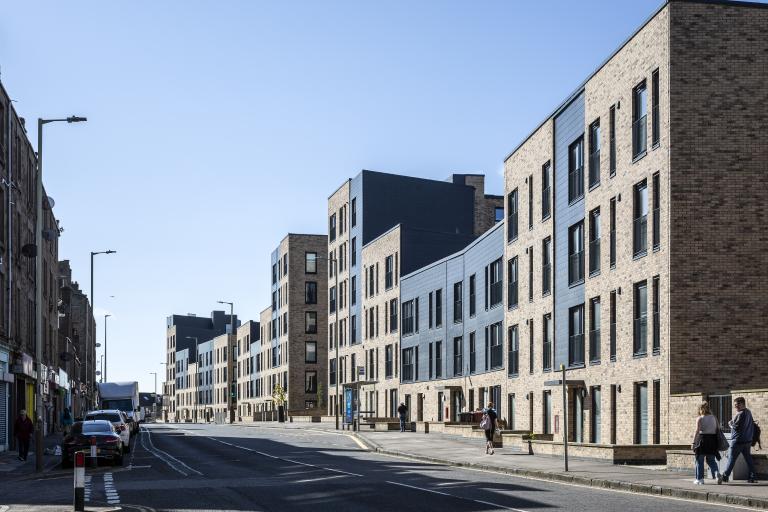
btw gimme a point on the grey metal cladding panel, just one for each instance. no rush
(356, 191)
(569, 126)
(419, 203)
(420, 248)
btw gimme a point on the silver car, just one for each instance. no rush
(117, 418)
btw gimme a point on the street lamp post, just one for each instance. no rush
(104, 369)
(197, 359)
(88, 323)
(39, 286)
(231, 359)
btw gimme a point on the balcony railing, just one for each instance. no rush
(594, 256)
(514, 362)
(547, 354)
(512, 226)
(640, 337)
(388, 369)
(512, 294)
(408, 372)
(613, 341)
(575, 184)
(594, 168)
(497, 356)
(640, 235)
(546, 278)
(545, 195)
(576, 267)
(496, 293)
(594, 346)
(576, 350)
(656, 229)
(639, 136)
(457, 369)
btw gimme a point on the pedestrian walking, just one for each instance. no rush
(488, 424)
(401, 412)
(705, 444)
(66, 420)
(23, 429)
(742, 436)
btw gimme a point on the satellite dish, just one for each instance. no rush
(29, 250)
(51, 203)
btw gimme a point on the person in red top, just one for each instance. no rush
(23, 429)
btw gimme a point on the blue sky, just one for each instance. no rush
(215, 128)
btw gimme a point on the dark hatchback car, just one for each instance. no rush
(109, 445)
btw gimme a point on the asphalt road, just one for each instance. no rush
(189, 467)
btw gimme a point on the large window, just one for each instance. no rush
(656, 320)
(594, 242)
(310, 292)
(408, 317)
(546, 266)
(332, 299)
(576, 170)
(656, 212)
(640, 220)
(530, 201)
(472, 297)
(594, 154)
(612, 242)
(438, 307)
(458, 343)
(354, 212)
(512, 216)
(310, 322)
(612, 314)
(310, 264)
(408, 364)
(639, 115)
(310, 381)
(640, 331)
(656, 120)
(547, 335)
(388, 272)
(514, 351)
(353, 250)
(576, 253)
(497, 285)
(438, 359)
(530, 274)
(458, 314)
(472, 352)
(332, 227)
(497, 346)
(310, 352)
(546, 190)
(576, 335)
(512, 283)
(353, 290)
(388, 361)
(594, 330)
(612, 141)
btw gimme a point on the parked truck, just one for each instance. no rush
(123, 396)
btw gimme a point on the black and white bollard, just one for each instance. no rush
(79, 481)
(94, 460)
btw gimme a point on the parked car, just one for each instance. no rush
(109, 444)
(118, 420)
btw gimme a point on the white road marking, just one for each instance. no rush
(109, 490)
(165, 456)
(312, 479)
(495, 505)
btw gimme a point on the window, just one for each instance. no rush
(332, 227)
(472, 353)
(274, 273)
(512, 216)
(594, 330)
(576, 170)
(546, 189)
(595, 413)
(457, 355)
(388, 269)
(498, 213)
(438, 359)
(332, 299)
(594, 242)
(388, 361)
(594, 154)
(640, 220)
(393, 315)
(431, 360)
(639, 114)
(430, 315)
(353, 249)
(438, 307)
(612, 241)
(310, 292)
(576, 253)
(656, 210)
(656, 319)
(612, 141)
(530, 274)
(497, 285)
(530, 201)
(310, 263)
(511, 405)
(512, 283)
(612, 314)
(310, 322)
(530, 345)
(576, 335)
(641, 413)
(497, 346)
(310, 381)
(354, 212)
(457, 302)
(408, 323)
(514, 351)
(640, 331)
(547, 342)
(353, 329)
(656, 121)
(353, 290)
(407, 359)
(546, 266)
(472, 297)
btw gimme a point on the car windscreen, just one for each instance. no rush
(113, 418)
(93, 428)
(123, 404)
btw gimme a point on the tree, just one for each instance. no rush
(278, 395)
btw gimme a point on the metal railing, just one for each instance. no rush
(594, 256)
(575, 183)
(576, 349)
(547, 354)
(545, 195)
(512, 226)
(640, 235)
(576, 267)
(546, 278)
(594, 346)
(613, 341)
(497, 356)
(497, 295)
(514, 362)
(512, 291)
(640, 336)
(594, 168)
(656, 229)
(639, 136)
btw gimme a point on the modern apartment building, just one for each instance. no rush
(381, 226)
(292, 350)
(632, 246)
(248, 335)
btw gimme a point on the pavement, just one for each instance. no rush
(11, 466)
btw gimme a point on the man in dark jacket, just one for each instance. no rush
(402, 411)
(742, 430)
(23, 430)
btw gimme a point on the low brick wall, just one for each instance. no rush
(304, 419)
(682, 460)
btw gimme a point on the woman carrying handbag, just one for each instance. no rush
(706, 443)
(488, 424)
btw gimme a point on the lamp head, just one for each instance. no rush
(76, 119)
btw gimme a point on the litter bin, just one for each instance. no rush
(740, 470)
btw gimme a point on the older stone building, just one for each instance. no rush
(632, 247)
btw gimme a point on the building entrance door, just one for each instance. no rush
(420, 407)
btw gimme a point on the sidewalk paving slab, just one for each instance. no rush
(10, 465)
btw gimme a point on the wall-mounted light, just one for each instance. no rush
(618, 198)
(619, 290)
(618, 388)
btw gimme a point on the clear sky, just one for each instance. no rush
(217, 127)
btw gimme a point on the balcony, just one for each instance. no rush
(547, 363)
(640, 235)
(639, 137)
(497, 356)
(576, 267)
(575, 184)
(594, 168)
(640, 336)
(546, 279)
(656, 229)
(594, 346)
(576, 350)
(594, 257)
